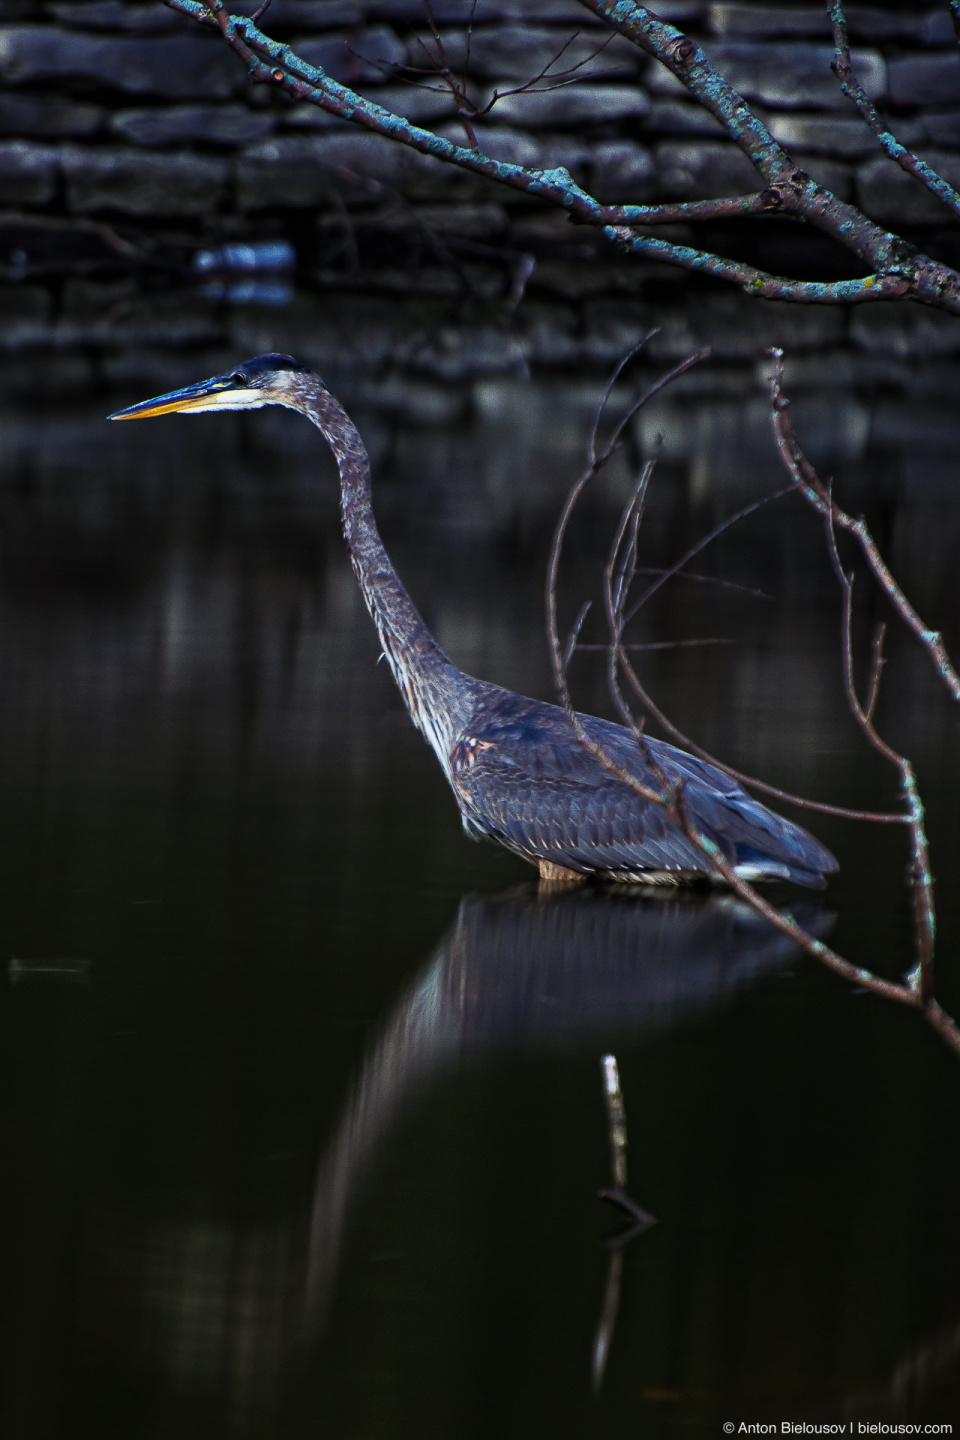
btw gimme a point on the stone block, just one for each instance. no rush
(942, 127)
(518, 52)
(906, 329)
(474, 222)
(24, 315)
(834, 175)
(704, 170)
(300, 171)
(788, 77)
(52, 240)
(116, 15)
(573, 106)
(160, 125)
(669, 116)
(840, 135)
(40, 115)
(305, 17)
(621, 172)
(304, 116)
(914, 26)
(925, 79)
(362, 58)
(28, 172)
(421, 107)
(500, 142)
(177, 67)
(567, 151)
(138, 183)
(460, 12)
(891, 196)
(118, 312)
(754, 22)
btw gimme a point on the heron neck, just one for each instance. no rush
(431, 685)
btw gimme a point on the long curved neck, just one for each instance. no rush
(435, 691)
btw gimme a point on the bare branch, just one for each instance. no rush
(456, 89)
(876, 672)
(877, 817)
(888, 256)
(558, 81)
(917, 992)
(851, 87)
(574, 635)
(764, 202)
(660, 644)
(753, 591)
(820, 498)
(814, 492)
(896, 268)
(665, 575)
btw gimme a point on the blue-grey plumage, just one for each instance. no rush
(523, 778)
(518, 772)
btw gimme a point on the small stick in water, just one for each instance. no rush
(638, 1221)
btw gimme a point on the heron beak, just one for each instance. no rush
(219, 394)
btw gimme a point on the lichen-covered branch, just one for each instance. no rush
(897, 269)
(851, 87)
(890, 257)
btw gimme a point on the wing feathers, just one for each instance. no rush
(522, 778)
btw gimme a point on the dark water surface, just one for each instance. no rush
(302, 1121)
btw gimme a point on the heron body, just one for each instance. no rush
(520, 775)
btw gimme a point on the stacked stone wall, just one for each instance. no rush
(126, 130)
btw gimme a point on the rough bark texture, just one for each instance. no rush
(131, 114)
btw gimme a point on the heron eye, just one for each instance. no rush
(239, 379)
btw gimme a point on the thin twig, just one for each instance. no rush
(752, 590)
(895, 268)
(812, 489)
(842, 67)
(573, 637)
(876, 671)
(917, 992)
(820, 497)
(660, 644)
(616, 1120)
(842, 812)
(715, 533)
(456, 90)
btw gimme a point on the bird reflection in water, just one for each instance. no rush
(529, 970)
(524, 971)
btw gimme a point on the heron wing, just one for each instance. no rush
(524, 779)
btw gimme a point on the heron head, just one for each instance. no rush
(265, 380)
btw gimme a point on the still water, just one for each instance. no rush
(302, 1119)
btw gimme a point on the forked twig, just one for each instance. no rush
(896, 268)
(820, 497)
(811, 487)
